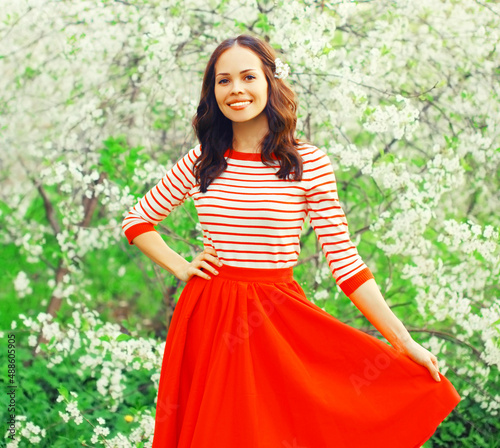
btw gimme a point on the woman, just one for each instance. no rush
(249, 361)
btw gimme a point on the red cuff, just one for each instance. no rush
(137, 230)
(353, 283)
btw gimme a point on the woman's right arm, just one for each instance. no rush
(154, 207)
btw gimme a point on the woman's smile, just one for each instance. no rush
(240, 105)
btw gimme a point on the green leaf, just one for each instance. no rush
(465, 165)
(240, 25)
(368, 111)
(123, 337)
(63, 391)
(263, 22)
(384, 50)
(457, 429)
(495, 323)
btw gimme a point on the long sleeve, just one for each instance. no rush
(330, 224)
(170, 192)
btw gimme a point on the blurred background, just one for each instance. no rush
(96, 103)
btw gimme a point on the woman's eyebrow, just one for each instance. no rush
(243, 71)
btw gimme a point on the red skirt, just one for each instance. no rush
(250, 362)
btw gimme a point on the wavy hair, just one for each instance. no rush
(215, 132)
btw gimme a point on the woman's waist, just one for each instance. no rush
(248, 274)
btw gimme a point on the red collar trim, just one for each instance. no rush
(232, 154)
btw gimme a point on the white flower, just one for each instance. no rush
(64, 416)
(282, 69)
(323, 294)
(22, 285)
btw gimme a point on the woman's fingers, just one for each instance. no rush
(212, 253)
(424, 357)
(199, 272)
(216, 261)
(203, 274)
(432, 365)
(208, 267)
(434, 368)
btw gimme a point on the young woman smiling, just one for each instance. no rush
(249, 361)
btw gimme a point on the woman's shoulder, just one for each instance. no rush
(189, 158)
(195, 151)
(309, 152)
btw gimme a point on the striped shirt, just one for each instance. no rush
(252, 218)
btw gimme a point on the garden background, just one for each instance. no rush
(96, 102)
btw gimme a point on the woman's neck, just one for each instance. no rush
(248, 135)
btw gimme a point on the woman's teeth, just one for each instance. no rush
(244, 103)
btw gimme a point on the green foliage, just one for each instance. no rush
(12, 262)
(263, 23)
(42, 385)
(165, 117)
(241, 26)
(119, 161)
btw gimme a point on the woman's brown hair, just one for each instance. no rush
(215, 132)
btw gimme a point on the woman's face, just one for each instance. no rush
(231, 86)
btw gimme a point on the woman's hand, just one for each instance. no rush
(423, 357)
(199, 263)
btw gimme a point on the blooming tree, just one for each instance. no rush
(96, 102)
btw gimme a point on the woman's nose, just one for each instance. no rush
(237, 87)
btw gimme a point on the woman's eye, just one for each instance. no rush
(251, 76)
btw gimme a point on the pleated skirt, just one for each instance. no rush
(250, 362)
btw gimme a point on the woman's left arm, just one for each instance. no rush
(368, 299)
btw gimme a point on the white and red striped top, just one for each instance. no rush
(252, 218)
